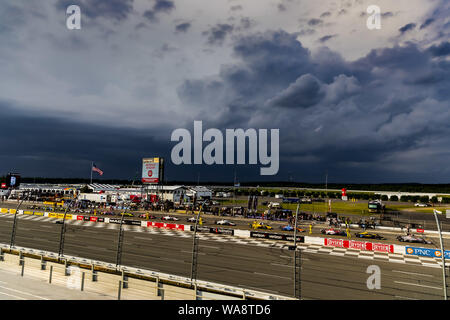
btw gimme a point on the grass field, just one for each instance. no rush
(343, 207)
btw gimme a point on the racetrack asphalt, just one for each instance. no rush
(268, 269)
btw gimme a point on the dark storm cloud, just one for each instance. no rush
(327, 37)
(314, 22)
(182, 27)
(236, 8)
(407, 27)
(281, 7)
(373, 114)
(218, 33)
(443, 49)
(163, 6)
(246, 23)
(426, 23)
(160, 6)
(116, 9)
(47, 146)
(303, 93)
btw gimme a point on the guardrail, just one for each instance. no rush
(95, 266)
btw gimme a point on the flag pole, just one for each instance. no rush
(92, 166)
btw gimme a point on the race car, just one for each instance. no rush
(225, 223)
(127, 214)
(411, 238)
(368, 235)
(193, 219)
(144, 216)
(333, 232)
(291, 228)
(260, 225)
(169, 218)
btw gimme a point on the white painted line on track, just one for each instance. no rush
(337, 253)
(281, 265)
(418, 285)
(11, 295)
(400, 297)
(414, 273)
(142, 238)
(27, 218)
(432, 265)
(23, 292)
(396, 261)
(365, 257)
(271, 275)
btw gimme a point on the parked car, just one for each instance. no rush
(418, 204)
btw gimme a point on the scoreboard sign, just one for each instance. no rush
(12, 180)
(152, 170)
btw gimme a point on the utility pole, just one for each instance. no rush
(14, 227)
(63, 230)
(195, 248)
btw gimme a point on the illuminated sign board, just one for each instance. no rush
(152, 170)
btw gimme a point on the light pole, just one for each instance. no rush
(297, 287)
(63, 230)
(444, 283)
(14, 227)
(120, 242)
(195, 248)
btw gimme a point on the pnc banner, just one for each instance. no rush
(426, 252)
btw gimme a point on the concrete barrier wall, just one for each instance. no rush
(106, 284)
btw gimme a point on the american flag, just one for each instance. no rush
(94, 168)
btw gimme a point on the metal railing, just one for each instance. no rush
(127, 273)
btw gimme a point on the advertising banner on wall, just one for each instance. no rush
(275, 236)
(426, 252)
(359, 245)
(152, 170)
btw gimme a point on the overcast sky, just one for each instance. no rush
(363, 105)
